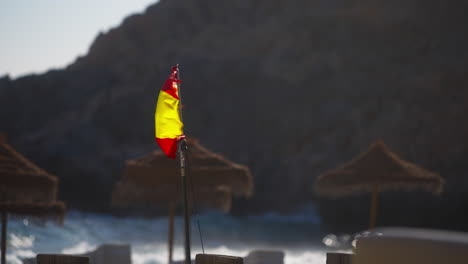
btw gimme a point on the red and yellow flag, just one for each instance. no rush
(168, 124)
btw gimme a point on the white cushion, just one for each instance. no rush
(411, 246)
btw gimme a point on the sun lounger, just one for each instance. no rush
(338, 258)
(104, 254)
(411, 246)
(61, 259)
(217, 259)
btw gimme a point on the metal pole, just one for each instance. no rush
(4, 236)
(182, 147)
(179, 92)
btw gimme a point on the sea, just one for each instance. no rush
(298, 235)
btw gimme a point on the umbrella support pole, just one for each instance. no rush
(182, 145)
(4, 236)
(170, 241)
(373, 209)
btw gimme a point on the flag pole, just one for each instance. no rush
(182, 148)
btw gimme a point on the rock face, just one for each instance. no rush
(289, 88)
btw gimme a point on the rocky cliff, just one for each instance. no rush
(289, 88)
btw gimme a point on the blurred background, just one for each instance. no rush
(291, 89)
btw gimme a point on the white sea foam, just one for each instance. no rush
(299, 238)
(18, 241)
(305, 257)
(80, 248)
(159, 255)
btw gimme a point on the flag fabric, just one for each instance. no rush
(168, 124)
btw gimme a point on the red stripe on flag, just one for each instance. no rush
(168, 146)
(170, 86)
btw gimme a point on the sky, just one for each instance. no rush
(38, 35)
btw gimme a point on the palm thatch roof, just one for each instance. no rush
(148, 196)
(206, 169)
(21, 180)
(52, 210)
(377, 167)
(26, 189)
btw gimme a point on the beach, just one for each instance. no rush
(297, 235)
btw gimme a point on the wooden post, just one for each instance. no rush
(373, 208)
(171, 231)
(61, 259)
(4, 236)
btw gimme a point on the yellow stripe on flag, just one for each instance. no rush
(167, 118)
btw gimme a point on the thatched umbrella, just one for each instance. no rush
(376, 170)
(208, 169)
(155, 180)
(25, 190)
